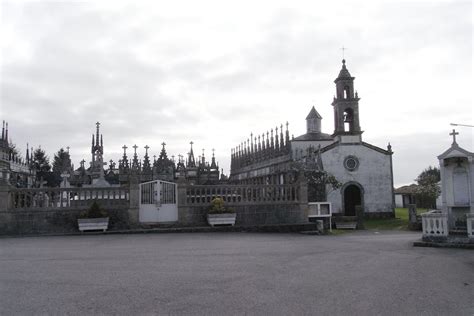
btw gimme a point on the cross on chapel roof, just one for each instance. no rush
(454, 133)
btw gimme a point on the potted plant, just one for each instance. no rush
(94, 218)
(220, 215)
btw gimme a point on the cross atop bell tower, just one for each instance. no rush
(346, 106)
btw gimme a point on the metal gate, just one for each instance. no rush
(158, 202)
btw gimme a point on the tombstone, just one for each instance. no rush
(413, 221)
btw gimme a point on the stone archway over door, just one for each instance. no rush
(352, 197)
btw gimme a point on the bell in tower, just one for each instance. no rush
(346, 107)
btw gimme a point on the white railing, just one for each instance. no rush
(434, 224)
(197, 195)
(68, 198)
(470, 225)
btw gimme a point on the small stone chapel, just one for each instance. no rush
(456, 166)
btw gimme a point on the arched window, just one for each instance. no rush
(346, 92)
(348, 120)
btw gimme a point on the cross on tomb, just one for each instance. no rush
(454, 133)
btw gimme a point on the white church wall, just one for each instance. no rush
(398, 200)
(373, 174)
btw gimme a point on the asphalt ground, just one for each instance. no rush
(360, 273)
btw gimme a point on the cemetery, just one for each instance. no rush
(313, 182)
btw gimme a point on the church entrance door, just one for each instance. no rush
(352, 197)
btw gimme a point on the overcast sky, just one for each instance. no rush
(213, 72)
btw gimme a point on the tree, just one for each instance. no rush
(14, 152)
(42, 166)
(318, 180)
(428, 189)
(429, 176)
(61, 163)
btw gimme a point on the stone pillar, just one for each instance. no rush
(303, 197)
(133, 211)
(412, 220)
(182, 208)
(4, 197)
(360, 216)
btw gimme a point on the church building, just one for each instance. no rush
(364, 170)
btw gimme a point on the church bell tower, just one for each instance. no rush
(346, 108)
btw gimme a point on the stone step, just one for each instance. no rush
(346, 225)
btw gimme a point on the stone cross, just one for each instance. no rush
(454, 133)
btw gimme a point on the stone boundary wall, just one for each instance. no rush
(248, 215)
(30, 221)
(253, 204)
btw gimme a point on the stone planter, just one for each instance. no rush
(93, 224)
(221, 219)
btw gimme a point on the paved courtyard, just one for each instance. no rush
(362, 273)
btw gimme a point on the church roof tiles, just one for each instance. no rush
(313, 114)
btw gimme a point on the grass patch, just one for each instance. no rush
(400, 222)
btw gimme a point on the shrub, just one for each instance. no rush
(94, 211)
(218, 207)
